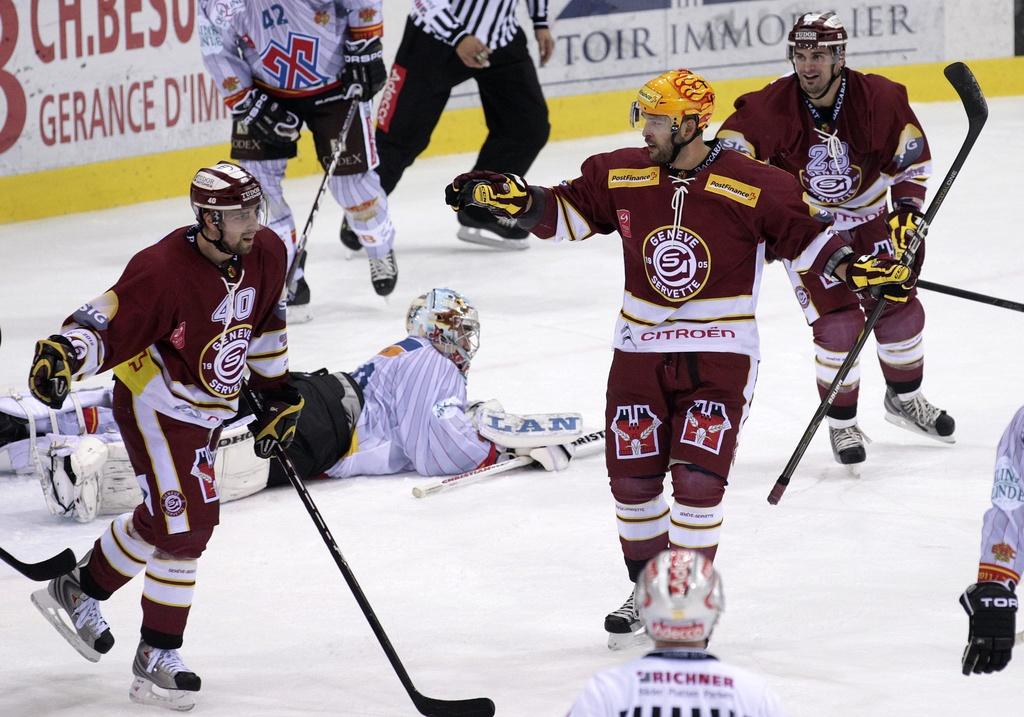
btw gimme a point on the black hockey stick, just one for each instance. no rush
(63, 562)
(964, 294)
(962, 79)
(476, 707)
(300, 248)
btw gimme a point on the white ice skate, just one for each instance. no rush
(75, 615)
(919, 416)
(848, 447)
(162, 679)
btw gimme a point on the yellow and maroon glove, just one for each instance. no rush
(905, 222)
(276, 424)
(53, 365)
(503, 195)
(885, 278)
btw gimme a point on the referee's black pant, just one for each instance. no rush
(421, 81)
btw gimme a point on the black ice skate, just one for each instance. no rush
(348, 237)
(75, 615)
(384, 274)
(478, 226)
(162, 679)
(848, 446)
(624, 627)
(919, 416)
(299, 309)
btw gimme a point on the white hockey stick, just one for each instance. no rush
(586, 444)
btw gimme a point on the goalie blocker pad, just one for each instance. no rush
(532, 430)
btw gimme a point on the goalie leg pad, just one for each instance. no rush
(71, 485)
(530, 430)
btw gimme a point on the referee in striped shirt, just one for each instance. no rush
(447, 42)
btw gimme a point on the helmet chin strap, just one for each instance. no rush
(218, 244)
(679, 146)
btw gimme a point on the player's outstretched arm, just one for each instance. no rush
(504, 195)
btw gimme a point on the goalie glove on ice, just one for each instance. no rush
(53, 365)
(506, 196)
(992, 608)
(276, 424)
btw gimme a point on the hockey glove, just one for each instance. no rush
(267, 120)
(905, 223)
(885, 278)
(551, 458)
(276, 424)
(53, 365)
(364, 73)
(990, 637)
(506, 196)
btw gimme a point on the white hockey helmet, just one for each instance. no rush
(679, 597)
(449, 321)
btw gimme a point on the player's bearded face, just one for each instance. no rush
(657, 133)
(239, 227)
(815, 68)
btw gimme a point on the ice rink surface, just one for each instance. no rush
(844, 595)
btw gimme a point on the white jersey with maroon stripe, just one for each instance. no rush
(291, 48)
(414, 416)
(676, 683)
(1002, 536)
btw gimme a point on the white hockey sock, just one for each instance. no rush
(170, 581)
(694, 527)
(123, 549)
(645, 521)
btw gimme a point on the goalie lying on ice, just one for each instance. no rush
(403, 410)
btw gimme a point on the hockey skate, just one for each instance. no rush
(919, 416)
(384, 273)
(480, 227)
(349, 238)
(299, 309)
(84, 627)
(848, 446)
(162, 679)
(624, 627)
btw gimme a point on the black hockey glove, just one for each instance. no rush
(885, 278)
(53, 365)
(506, 196)
(364, 73)
(267, 120)
(275, 425)
(905, 223)
(991, 607)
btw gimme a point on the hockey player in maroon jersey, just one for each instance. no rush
(852, 140)
(179, 329)
(696, 220)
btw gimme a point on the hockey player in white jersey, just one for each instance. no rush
(281, 64)
(679, 598)
(403, 410)
(991, 603)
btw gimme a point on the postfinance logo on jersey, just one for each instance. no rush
(733, 189)
(646, 177)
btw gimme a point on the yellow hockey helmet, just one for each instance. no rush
(676, 94)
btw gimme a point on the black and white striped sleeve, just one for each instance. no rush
(435, 17)
(538, 13)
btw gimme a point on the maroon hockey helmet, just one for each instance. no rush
(818, 29)
(224, 186)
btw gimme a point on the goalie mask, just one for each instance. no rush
(449, 321)
(679, 597)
